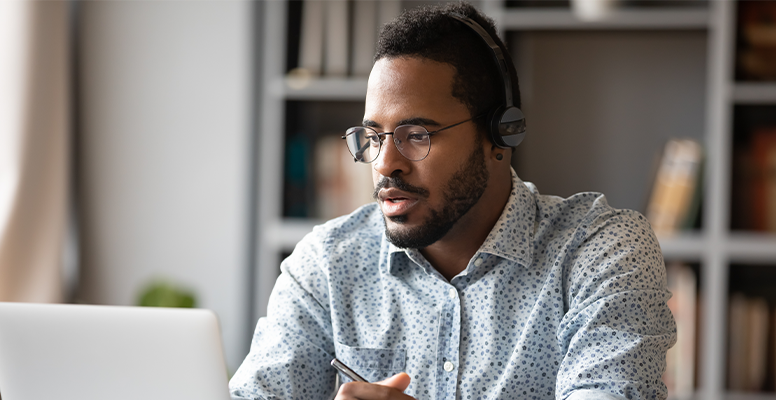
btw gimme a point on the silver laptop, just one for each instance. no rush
(80, 352)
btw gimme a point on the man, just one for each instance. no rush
(462, 281)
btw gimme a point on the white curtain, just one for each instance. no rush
(34, 148)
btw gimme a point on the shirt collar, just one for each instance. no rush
(510, 238)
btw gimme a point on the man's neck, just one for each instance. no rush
(451, 254)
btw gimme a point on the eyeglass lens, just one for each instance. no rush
(412, 141)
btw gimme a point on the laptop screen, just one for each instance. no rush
(106, 352)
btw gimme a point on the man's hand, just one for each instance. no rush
(391, 388)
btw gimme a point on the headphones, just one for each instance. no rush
(506, 125)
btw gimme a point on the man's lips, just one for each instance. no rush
(395, 202)
(396, 197)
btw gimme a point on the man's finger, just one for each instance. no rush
(391, 388)
(399, 381)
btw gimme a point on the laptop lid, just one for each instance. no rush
(85, 352)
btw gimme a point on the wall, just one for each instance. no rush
(618, 96)
(163, 159)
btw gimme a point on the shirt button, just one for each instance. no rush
(453, 293)
(478, 262)
(448, 366)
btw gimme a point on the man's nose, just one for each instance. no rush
(390, 161)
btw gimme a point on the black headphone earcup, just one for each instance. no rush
(506, 127)
(494, 117)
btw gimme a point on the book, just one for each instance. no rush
(771, 368)
(699, 337)
(770, 187)
(295, 182)
(764, 186)
(364, 37)
(675, 186)
(757, 341)
(342, 185)
(738, 346)
(335, 59)
(690, 218)
(748, 322)
(742, 216)
(311, 38)
(680, 359)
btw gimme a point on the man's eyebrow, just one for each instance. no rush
(418, 121)
(407, 121)
(370, 123)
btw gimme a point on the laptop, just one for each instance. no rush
(86, 352)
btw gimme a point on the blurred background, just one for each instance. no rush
(126, 152)
(174, 152)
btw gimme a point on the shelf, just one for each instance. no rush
(754, 93)
(750, 396)
(752, 247)
(733, 396)
(688, 246)
(741, 247)
(286, 233)
(538, 19)
(353, 89)
(694, 396)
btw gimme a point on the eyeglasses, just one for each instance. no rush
(412, 141)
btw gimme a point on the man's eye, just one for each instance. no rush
(416, 137)
(373, 139)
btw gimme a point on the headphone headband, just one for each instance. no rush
(507, 122)
(498, 55)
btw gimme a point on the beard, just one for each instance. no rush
(462, 191)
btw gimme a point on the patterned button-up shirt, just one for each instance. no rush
(565, 299)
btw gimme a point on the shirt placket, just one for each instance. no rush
(448, 356)
(449, 343)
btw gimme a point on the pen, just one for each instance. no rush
(347, 371)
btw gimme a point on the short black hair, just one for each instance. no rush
(430, 32)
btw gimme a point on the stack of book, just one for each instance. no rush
(337, 37)
(756, 57)
(754, 191)
(750, 330)
(676, 192)
(680, 359)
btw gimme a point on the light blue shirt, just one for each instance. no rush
(565, 299)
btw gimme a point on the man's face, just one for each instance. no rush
(422, 200)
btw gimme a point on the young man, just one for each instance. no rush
(462, 281)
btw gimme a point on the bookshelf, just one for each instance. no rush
(713, 248)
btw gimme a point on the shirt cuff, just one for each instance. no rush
(587, 394)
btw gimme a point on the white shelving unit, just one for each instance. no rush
(323, 89)
(754, 93)
(715, 248)
(553, 19)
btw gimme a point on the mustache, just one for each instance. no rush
(398, 183)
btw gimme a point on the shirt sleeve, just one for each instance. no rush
(618, 327)
(292, 346)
